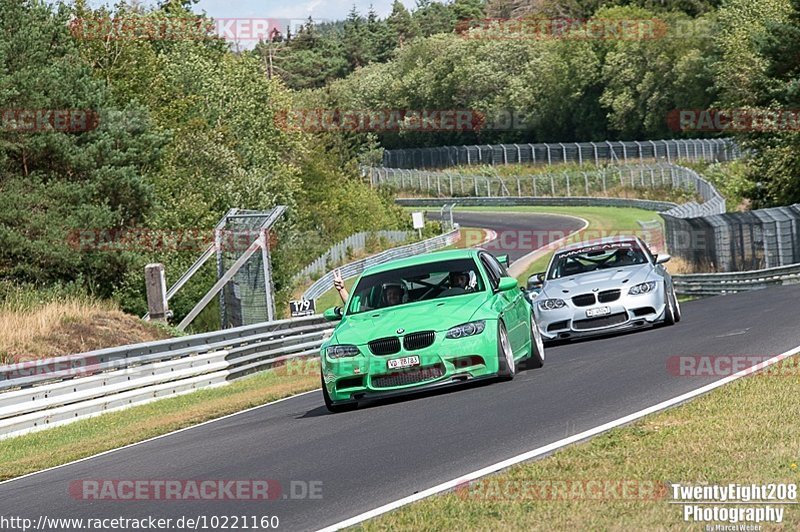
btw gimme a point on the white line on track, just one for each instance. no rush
(452, 484)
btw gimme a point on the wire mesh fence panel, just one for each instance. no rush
(245, 298)
(559, 153)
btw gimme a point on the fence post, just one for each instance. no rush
(156, 285)
(580, 154)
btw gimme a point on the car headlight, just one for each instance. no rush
(341, 351)
(643, 288)
(551, 304)
(466, 329)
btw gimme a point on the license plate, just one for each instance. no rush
(600, 311)
(405, 362)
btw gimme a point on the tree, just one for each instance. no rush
(402, 24)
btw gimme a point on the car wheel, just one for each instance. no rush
(333, 407)
(536, 360)
(506, 368)
(677, 312)
(669, 312)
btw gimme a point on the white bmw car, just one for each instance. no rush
(603, 286)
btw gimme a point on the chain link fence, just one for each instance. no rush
(736, 241)
(590, 183)
(616, 152)
(247, 298)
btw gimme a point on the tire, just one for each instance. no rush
(506, 368)
(677, 312)
(536, 358)
(669, 312)
(333, 407)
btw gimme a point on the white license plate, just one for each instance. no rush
(600, 311)
(405, 362)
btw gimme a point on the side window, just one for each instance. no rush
(493, 269)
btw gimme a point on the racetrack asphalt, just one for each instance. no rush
(391, 449)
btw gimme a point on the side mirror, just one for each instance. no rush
(333, 314)
(507, 283)
(504, 260)
(536, 281)
(661, 258)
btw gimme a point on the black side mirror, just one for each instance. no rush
(536, 281)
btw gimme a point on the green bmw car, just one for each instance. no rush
(424, 322)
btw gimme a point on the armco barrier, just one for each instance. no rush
(709, 284)
(575, 201)
(45, 393)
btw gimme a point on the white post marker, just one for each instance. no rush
(418, 219)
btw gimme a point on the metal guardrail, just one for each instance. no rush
(709, 284)
(45, 393)
(348, 271)
(574, 201)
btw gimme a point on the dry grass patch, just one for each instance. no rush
(65, 327)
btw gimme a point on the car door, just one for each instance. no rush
(510, 303)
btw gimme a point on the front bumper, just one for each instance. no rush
(445, 362)
(627, 312)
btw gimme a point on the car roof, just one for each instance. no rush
(599, 241)
(425, 258)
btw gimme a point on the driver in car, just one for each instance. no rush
(459, 282)
(392, 294)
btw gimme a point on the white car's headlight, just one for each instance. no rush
(644, 288)
(341, 351)
(551, 304)
(466, 329)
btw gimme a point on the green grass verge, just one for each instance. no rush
(745, 432)
(60, 445)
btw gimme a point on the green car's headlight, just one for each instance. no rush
(644, 288)
(341, 351)
(551, 304)
(466, 329)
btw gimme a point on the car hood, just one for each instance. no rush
(601, 280)
(436, 314)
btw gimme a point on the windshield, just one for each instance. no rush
(596, 257)
(435, 280)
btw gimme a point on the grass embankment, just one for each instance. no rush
(60, 445)
(742, 433)
(37, 324)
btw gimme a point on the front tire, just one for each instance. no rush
(333, 407)
(536, 359)
(669, 311)
(506, 367)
